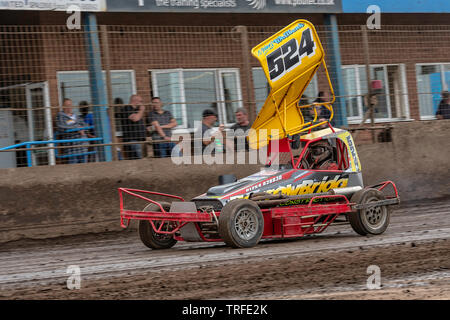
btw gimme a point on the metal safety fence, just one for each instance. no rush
(153, 84)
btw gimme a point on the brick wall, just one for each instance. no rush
(155, 41)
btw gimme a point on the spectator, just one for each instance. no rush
(242, 121)
(241, 126)
(69, 125)
(443, 111)
(88, 119)
(209, 119)
(320, 97)
(133, 127)
(308, 113)
(86, 116)
(323, 113)
(163, 122)
(304, 100)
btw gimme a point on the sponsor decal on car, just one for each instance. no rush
(305, 187)
(263, 183)
(311, 186)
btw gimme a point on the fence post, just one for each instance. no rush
(370, 94)
(98, 94)
(340, 118)
(111, 110)
(48, 123)
(246, 72)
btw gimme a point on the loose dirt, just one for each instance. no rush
(413, 256)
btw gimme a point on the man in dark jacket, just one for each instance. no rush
(133, 127)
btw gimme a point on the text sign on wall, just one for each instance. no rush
(238, 6)
(53, 5)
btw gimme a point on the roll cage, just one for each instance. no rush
(280, 152)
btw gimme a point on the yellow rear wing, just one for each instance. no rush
(289, 58)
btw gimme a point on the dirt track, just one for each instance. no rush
(413, 256)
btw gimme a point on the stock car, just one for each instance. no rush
(312, 178)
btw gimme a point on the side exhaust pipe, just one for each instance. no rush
(348, 191)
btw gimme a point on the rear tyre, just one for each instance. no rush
(241, 223)
(372, 220)
(149, 237)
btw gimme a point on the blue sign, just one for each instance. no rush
(397, 6)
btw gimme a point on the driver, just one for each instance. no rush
(322, 156)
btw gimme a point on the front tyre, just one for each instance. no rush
(371, 220)
(241, 223)
(149, 237)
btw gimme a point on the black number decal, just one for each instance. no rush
(306, 44)
(275, 64)
(290, 54)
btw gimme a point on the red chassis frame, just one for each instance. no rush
(279, 222)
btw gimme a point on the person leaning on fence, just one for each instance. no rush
(162, 122)
(443, 111)
(68, 125)
(133, 127)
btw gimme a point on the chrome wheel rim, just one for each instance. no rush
(376, 216)
(246, 224)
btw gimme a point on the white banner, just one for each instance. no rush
(53, 5)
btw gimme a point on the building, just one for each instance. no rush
(195, 54)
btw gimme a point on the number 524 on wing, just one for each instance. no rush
(296, 47)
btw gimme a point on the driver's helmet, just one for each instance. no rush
(321, 151)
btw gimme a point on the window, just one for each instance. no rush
(392, 97)
(262, 88)
(75, 85)
(432, 79)
(187, 92)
